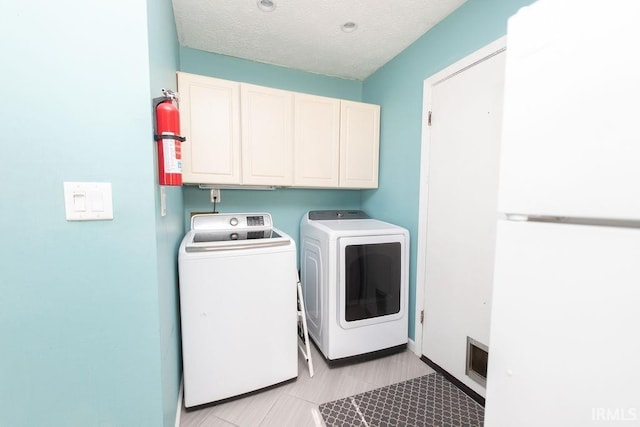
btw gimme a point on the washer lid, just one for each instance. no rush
(215, 232)
(222, 236)
(199, 241)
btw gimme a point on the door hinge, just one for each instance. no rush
(429, 119)
(422, 317)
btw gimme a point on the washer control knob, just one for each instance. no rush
(233, 221)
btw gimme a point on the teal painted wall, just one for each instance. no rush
(397, 87)
(84, 316)
(241, 70)
(164, 58)
(287, 206)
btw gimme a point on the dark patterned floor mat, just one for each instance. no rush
(430, 401)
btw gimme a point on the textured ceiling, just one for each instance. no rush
(306, 35)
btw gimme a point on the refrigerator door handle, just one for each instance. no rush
(598, 222)
(516, 217)
(535, 218)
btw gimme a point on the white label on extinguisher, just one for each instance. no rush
(172, 155)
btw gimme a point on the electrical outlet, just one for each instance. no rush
(215, 195)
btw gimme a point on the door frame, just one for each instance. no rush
(458, 67)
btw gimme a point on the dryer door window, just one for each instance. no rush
(373, 277)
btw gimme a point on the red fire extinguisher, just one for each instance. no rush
(167, 135)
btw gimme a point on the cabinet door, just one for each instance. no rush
(316, 141)
(267, 136)
(359, 144)
(210, 120)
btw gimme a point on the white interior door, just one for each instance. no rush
(458, 207)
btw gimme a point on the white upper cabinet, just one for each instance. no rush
(210, 121)
(267, 136)
(359, 144)
(316, 141)
(243, 134)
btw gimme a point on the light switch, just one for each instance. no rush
(79, 201)
(97, 202)
(87, 201)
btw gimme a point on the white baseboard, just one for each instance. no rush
(412, 346)
(179, 405)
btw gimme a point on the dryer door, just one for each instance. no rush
(372, 280)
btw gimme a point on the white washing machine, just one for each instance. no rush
(238, 306)
(355, 280)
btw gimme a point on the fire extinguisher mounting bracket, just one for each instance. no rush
(169, 136)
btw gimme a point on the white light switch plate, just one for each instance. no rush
(88, 201)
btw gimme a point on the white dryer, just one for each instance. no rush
(355, 280)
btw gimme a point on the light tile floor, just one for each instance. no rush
(295, 404)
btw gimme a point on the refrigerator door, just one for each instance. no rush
(565, 326)
(571, 140)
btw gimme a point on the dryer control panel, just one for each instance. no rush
(329, 215)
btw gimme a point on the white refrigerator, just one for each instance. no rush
(565, 327)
